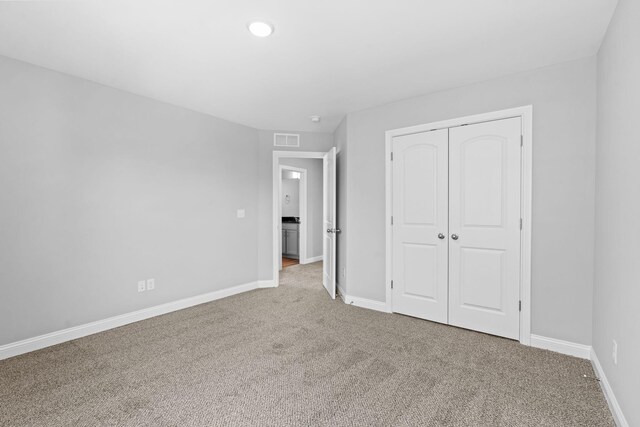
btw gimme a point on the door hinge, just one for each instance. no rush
(520, 223)
(392, 156)
(519, 305)
(521, 140)
(391, 219)
(392, 284)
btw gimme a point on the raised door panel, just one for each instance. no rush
(481, 277)
(484, 214)
(419, 193)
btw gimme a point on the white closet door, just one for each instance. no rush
(329, 195)
(484, 227)
(419, 195)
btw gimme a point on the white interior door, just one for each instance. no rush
(420, 225)
(329, 222)
(484, 227)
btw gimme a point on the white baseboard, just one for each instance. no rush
(616, 411)
(559, 346)
(364, 303)
(360, 302)
(584, 352)
(267, 284)
(53, 338)
(311, 259)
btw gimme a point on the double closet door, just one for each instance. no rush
(456, 226)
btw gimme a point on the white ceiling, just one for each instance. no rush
(326, 57)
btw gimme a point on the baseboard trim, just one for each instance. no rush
(559, 346)
(311, 259)
(364, 303)
(64, 335)
(616, 411)
(267, 284)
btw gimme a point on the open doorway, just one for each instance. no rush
(304, 213)
(294, 201)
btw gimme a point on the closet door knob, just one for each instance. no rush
(440, 236)
(454, 236)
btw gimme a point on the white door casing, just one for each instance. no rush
(420, 225)
(484, 215)
(329, 222)
(524, 140)
(276, 219)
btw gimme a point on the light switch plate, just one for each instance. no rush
(241, 213)
(151, 284)
(142, 285)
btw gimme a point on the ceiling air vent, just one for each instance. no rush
(286, 140)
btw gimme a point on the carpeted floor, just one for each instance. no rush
(290, 356)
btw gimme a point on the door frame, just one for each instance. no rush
(526, 181)
(302, 189)
(276, 219)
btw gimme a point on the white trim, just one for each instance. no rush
(275, 200)
(614, 406)
(302, 187)
(266, 284)
(312, 259)
(526, 113)
(363, 302)
(559, 346)
(64, 335)
(360, 302)
(387, 216)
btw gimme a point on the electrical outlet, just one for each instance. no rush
(344, 271)
(151, 284)
(614, 353)
(142, 285)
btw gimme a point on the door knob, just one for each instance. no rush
(454, 236)
(440, 236)
(333, 230)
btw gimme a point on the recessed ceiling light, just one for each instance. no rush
(260, 28)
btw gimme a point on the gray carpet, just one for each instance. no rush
(290, 356)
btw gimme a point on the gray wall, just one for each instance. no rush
(314, 202)
(340, 141)
(100, 188)
(617, 238)
(291, 188)
(309, 141)
(564, 102)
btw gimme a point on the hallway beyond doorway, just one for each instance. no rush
(288, 262)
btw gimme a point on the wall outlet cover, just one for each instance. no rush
(142, 285)
(151, 284)
(241, 213)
